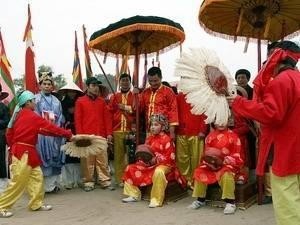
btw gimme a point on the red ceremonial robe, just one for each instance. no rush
(22, 137)
(139, 174)
(230, 146)
(161, 101)
(122, 119)
(278, 112)
(189, 124)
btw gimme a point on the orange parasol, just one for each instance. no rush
(260, 19)
(135, 36)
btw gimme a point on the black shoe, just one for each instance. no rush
(267, 200)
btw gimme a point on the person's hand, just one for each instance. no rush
(121, 106)
(228, 160)
(230, 100)
(172, 133)
(109, 139)
(231, 96)
(153, 161)
(136, 90)
(201, 135)
(71, 138)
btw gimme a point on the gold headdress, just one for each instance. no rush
(160, 118)
(45, 76)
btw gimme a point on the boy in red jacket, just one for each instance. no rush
(22, 135)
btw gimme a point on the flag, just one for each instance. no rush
(30, 77)
(77, 78)
(88, 68)
(6, 80)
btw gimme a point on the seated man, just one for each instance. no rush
(220, 162)
(153, 172)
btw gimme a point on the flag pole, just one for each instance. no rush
(88, 68)
(31, 83)
(109, 84)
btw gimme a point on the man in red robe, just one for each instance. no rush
(278, 83)
(159, 99)
(121, 108)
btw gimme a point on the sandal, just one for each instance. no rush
(4, 213)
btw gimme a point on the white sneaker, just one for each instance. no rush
(129, 199)
(153, 205)
(229, 209)
(196, 204)
(4, 213)
(44, 208)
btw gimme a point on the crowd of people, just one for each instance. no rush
(182, 147)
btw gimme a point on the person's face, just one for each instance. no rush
(221, 127)
(93, 89)
(154, 81)
(31, 104)
(71, 94)
(155, 127)
(125, 84)
(242, 80)
(46, 86)
(269, 53)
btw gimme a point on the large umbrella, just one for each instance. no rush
(135, 36)
(260, 19)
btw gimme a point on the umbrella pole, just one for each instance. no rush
(109, 84)
(258, 54)
(136, 96)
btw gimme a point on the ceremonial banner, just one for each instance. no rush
(6, 80)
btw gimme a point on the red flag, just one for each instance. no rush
(30, 77)
(88, 68)
(6, 80)
(77, 78)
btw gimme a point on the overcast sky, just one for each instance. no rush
(54, 23)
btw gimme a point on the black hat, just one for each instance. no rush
(3, 95)
(243, 71)
(92, 80)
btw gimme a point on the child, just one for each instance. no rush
(163, 162)
(22, 135)
(220, 163)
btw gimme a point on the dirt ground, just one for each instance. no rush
(76, 207)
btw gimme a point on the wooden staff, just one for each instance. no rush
(109, 84)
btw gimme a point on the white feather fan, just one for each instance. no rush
(195, 83)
